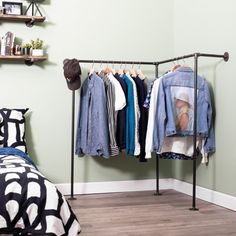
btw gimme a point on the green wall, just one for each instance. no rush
(122, 30)
(84, 29)
(209, 26)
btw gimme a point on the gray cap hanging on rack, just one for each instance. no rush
(72, 72)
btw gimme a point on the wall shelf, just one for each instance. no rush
(29, 20)
(29, 60)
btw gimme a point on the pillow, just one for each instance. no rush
(12, 128)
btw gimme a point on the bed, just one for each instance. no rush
(29, 203)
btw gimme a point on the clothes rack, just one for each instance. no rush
(225, 56)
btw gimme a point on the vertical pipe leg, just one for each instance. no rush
(193, 208)
(194, 186)
(157, 156)
(72, 147)
(157, 176)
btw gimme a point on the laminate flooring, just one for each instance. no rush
(143, 214)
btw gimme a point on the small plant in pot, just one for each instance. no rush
(26, 48)
(37, 47)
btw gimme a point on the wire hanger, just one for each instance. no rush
(100, 69)
(132, 71)
(120, 71)
(140, 73)
(113, 71)
(126, 70)
(91, 71)
(176, 65)
(108, 69)
(184, 63)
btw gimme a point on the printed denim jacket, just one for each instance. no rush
(174, 111)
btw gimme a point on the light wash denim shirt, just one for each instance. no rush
(92, 132)
(174, 87)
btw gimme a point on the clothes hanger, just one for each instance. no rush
(126, 70)
(100, 69)
(120, 71)
(132, 71)
(113, 71)
(140, 73)
(91, 71)
(184, 63)
(107, 70)
(176, 65)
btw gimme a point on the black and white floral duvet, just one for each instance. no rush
(29, 203)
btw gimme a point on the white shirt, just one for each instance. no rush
(120, 100)
(151, 117)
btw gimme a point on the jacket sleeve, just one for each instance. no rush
(103, 135)
(209, 144)
(160, 119)
(81, 114)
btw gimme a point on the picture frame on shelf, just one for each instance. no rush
(12, 8)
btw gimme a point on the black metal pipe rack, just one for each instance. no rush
(225, 56)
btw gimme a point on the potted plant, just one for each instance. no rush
(37, 47)
(26, 48)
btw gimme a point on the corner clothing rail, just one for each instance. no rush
(225, 56)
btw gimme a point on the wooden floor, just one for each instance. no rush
(143, 214)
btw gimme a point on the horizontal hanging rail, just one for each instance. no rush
(119, 62)
(225, 56)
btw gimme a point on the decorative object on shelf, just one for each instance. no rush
(17, 50)
(1, 10)
(12, 8)
(37, 47)
(26, 48)
(7, 44)
(34, 4)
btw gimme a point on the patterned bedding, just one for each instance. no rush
(29, 203)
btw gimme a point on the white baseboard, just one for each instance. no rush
(214, 197)
(115, 186)
(220, 199)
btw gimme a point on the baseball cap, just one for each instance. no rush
(72, 72)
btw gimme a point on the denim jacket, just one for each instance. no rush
(174, 111)
(92, 131)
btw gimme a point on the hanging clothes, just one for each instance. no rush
(136, 117)
(110, 93)
(177, 147)
(130, 117)
(92, 131)
(174, 109)
(142, 93)
(121, 118)
(173, 147)
(150, 103)
(120, 100)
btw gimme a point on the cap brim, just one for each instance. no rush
(74, 85)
